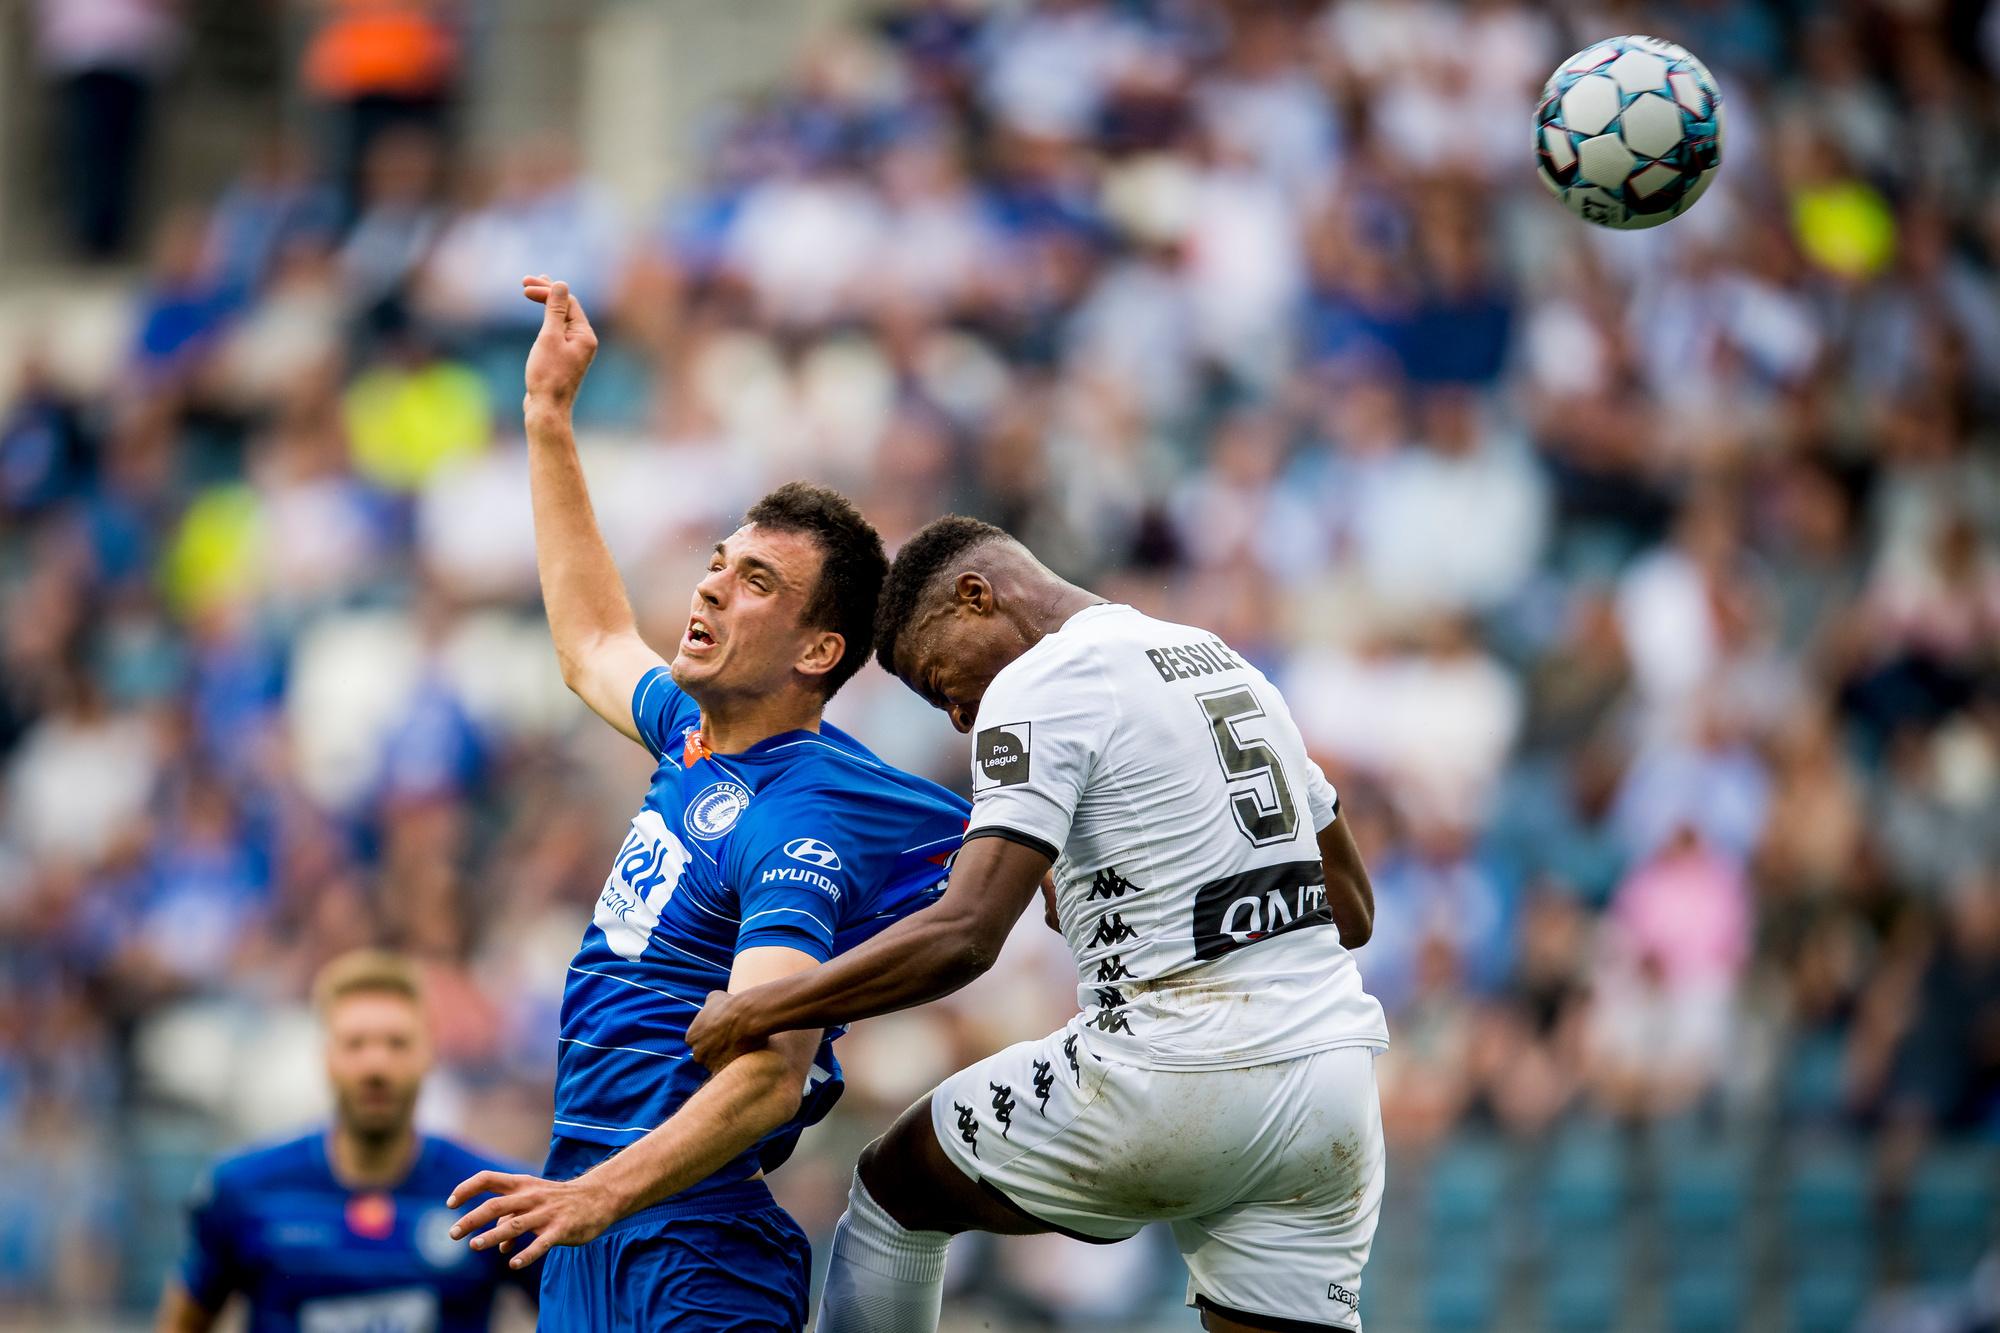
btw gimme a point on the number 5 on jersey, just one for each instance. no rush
(1259, 795)
(642, 879)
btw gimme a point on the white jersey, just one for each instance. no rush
(1165, 776)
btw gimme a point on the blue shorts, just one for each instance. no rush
(729, 1260)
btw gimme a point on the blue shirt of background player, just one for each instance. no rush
(805, 840)
(311, 1255)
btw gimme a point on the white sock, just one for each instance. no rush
(883, 1279)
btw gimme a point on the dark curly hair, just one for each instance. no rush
(851, 570)
(922, 558)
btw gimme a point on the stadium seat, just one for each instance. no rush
(1951, 1207)
(1827, 1194)
(1811, 1078)
(1705, 1300)
(1826, 1303)
(1583, 1297)
(1702, 1190)
(1467, 1182)
(1584, 1184)
(1460, 1301)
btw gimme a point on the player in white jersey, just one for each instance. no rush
(1219, 1076)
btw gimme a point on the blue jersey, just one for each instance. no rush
(311, 1255)
(804, 840)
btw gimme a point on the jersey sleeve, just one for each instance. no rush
(209, 1270)
(795, 876)
(657, 704)
(1043, 725)
(1321, 798)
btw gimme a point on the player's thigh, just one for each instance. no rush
(1290, 1252)
(909, 1174)
(1026, 1132)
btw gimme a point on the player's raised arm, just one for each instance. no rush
(924, 956)
(596, 637)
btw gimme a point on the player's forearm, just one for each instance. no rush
(581, 588)
(740, 1105)
(1350, 898)
(921, 958)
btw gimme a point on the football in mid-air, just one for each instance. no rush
(1629, 132)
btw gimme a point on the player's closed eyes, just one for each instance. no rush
(755, 582)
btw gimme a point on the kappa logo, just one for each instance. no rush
(1336, 1292)
(968, 1126)
(715, 809)
(813, 852)
(1003, 1106)
(1001, 754)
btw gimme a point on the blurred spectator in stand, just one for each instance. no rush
(183, 311)
(539, 216)
(1427, 1076)
(268, 213)
(399, 221)
(1470, 480)
(1527, 1054)
(104, 60)
(1677, 940)
(379, 67)
(1929, 1046)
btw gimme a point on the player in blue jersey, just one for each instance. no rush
(766, 843)
(345, 1229)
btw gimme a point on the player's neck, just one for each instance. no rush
(733, 725)
(371, 1161)
(1049, 607)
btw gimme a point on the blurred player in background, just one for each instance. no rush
(1222, 1076)
(344, 1229)
(766, 844)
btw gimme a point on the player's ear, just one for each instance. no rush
(974, 593)
(822, 653)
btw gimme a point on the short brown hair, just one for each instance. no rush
(852, 566)
(366, 971)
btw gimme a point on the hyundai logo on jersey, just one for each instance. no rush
(813, 852)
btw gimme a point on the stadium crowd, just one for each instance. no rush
(1640, 592)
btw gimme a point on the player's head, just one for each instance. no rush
(378, 1048)
(962, 601)
(788, 602)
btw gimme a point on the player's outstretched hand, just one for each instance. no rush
(564, 347)
(554, 1212)
(721, 1032)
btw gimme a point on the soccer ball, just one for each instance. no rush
(1629, 132)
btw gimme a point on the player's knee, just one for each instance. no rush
(877, 1173)
(865, 1163)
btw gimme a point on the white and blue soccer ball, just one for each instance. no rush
(1629, 132)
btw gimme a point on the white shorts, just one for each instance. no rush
(1271, 1175)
